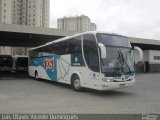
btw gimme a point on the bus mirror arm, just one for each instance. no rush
(140, 52)
(102, 50)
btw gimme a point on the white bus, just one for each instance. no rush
(93, 60)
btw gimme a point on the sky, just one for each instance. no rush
(133, 18)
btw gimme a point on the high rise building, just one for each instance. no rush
(23, 12)
(5, 18)
(5, 11)
(93, 27)
(45, 12)
(31, 12)
(77, 23)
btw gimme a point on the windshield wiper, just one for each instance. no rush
(124, 61)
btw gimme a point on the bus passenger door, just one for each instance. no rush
(91, 58)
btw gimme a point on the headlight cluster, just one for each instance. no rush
(107, 80)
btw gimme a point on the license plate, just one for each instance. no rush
(122, 85)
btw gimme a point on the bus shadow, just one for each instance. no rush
(58, 84)
(107, 93)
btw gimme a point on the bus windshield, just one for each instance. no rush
(22, 62)
(119, 55)
(113, 40)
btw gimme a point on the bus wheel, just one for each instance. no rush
(76, 84)
(36, 75)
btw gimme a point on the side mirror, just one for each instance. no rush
(103, 50)
(140, 52)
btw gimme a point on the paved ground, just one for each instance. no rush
(21, 94)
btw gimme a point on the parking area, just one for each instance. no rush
(22, 94)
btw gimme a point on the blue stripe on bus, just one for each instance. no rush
(129, 75)
(49, 63)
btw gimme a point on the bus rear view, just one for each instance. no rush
(6, 63)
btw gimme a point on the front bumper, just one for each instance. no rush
(116, 85)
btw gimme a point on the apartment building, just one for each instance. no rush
(23, 12)
(77, 23)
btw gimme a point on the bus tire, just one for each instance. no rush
(36, 75)
(76, 83)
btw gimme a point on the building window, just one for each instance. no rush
(156, 57)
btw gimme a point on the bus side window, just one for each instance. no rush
(60, 48)
(74, 45)
(91, 52)
(75, 49)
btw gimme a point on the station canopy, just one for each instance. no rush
(27, 36)
(24, 36)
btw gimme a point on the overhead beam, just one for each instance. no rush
(28, 36)
(35, 30)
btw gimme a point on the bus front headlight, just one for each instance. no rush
(106, 80)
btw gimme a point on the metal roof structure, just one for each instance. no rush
(28, 36)
(145, 44)
(19, 35)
